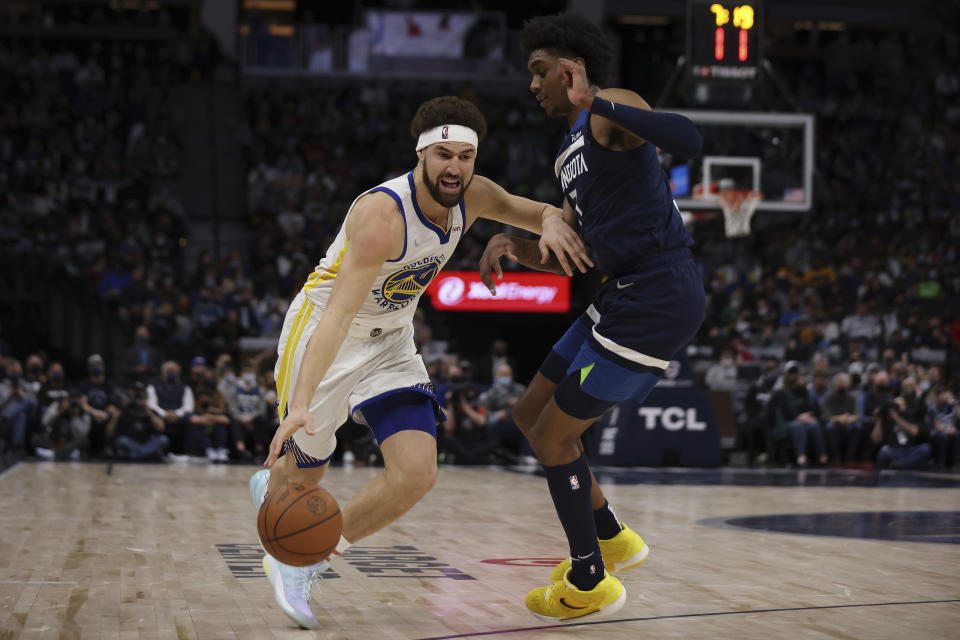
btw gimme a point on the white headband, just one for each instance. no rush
(448, 132)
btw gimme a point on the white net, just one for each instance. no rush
(738, 209)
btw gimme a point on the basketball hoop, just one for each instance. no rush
(738, 205)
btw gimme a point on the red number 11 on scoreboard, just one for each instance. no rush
(742, 18)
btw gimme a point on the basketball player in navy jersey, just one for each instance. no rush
(650, 306)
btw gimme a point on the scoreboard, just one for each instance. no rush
(723, 40)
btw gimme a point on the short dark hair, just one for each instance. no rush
(448, 110)
(571, 35)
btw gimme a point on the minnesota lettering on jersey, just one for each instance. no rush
(572, 169)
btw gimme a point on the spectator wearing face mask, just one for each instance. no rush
(33, 373)
(140, 362)
(722, 375)
(18, 405)
(247, 407)
(173, 401)
(209, 424)
(795, 415)
(944, 417)
(98, 400)
(54, 389)
(843, 425)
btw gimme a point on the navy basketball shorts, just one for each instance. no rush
(621, 345)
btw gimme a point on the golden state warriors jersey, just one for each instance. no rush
(393, 297)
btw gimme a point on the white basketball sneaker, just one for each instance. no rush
(292, 586)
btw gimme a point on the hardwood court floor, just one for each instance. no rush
(152, 551)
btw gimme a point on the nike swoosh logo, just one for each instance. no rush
(624, 286)
(569, 606)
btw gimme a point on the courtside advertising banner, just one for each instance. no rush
(518, 291)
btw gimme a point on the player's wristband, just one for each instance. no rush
(672, 132)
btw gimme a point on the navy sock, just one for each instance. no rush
(607, 524)
(570, 488)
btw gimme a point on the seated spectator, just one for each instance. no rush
(18, 405)
(139, 433)
(795, 414)
(722, 375)
(54, 389)
(901, 430)
(943, 433)
(172, 400)
(843, 424)
(140, 361)
(99, 401)
(65, 430)
(209, 424)
(497, 417)
(247, 407)
(33, 374)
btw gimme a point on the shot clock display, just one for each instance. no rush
(723, 40)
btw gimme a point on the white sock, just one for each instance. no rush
(342, 546)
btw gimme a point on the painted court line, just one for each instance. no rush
(684, 615)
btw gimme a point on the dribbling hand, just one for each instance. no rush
(296, 419)
(574, 78)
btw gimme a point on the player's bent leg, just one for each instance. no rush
(532, 402)
(410, 471)
(593, 385)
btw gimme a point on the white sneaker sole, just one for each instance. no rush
(603, 612)
(273, 575)
(635, 561)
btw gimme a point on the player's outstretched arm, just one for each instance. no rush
(374, 235)
(626, 111)
(487, 199)
(527, 251)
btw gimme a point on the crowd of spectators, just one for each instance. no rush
(150, 410)
(802, 321)
(89, 149)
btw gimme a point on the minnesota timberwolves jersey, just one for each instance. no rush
(622, 200)
(392, 299)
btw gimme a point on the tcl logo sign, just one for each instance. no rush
(524, 292)
(671, 418)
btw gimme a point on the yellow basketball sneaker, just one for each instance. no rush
(563, 601)
(623, 551)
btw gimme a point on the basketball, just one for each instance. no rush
(300, 525)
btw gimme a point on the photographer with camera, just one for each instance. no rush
(64, 430)
(901, 430)
(140, 433)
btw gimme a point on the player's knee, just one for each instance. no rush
(418, 482)
(524, 415)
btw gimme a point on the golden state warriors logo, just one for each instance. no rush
(400, 287)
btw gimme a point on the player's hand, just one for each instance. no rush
(574, 78)
(559, 238)
(296, 419)
(499, 245)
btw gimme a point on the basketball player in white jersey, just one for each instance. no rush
(347, 347)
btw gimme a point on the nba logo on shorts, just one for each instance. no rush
(574, 483)
(445, 132)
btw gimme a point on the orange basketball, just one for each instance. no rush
(299, 525)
